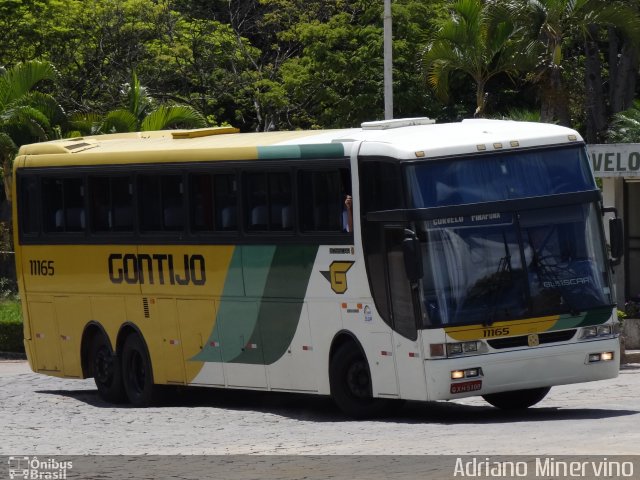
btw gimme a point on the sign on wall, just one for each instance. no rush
(615, 159)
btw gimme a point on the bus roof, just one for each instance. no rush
(407, 139)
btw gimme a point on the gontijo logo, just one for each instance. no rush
(158, 268)
(35, 469)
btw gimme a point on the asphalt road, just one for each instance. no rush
(42, 415)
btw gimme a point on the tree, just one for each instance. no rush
(555, 28)
(141, 115)
(478, 40)
(26, 114)
(625, 127)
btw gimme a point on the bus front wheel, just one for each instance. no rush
(350, 381)
(137, 373)
(518, 399)
(107, 373)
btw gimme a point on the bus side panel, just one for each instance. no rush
(325, 321)
(295, 370)
(194, 316)
(164, 343)
(47, 357)
(72, 314)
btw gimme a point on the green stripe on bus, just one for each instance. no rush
(282, 302)
(237, 318)
(321, 150)
(258, 327)
(585, 319)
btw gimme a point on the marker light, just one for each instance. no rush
(600, 357)
(468, 373)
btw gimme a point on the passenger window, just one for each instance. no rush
(161, 203)
(63, 204)
(214, 202)
(322, 195)
(111, 203)
(28, 205)
(269, 201)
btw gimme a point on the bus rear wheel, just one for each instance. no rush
(518, 399)
(137, 373)
(350, 381)
(107, 373)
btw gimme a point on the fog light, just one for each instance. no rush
(606, 356)
(457, 374)
(472, 372)
(594, 357)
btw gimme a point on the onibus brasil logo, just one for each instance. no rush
(33, 468)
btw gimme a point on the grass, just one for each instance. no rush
(11, 326)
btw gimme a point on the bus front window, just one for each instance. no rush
(505, 266)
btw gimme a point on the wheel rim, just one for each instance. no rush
(358, 380)
(137, 372)
(103, 366)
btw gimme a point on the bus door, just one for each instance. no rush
(404, 311)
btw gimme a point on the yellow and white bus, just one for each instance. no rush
(470, 260)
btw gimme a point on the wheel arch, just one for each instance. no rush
(129, 328)
(91, 330)
(344, 337)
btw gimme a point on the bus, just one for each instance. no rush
(401, 260)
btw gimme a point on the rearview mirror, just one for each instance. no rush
(616, 239)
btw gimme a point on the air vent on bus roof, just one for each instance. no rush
(397, 123)
(203, 132)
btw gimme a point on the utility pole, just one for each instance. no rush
(388, 62)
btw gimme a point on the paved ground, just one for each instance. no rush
(43, 415)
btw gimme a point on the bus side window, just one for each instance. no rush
(161, 203)
(214, 199)
(63, 204)
(322, 196)
(28, 205)
(269, 201)
(226, 201)
(111, 204)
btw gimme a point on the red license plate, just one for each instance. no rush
(465, 387)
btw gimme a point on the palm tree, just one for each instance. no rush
(479, 40)
(625, 127)
(26, 115)
(141, 115)
(555, 25)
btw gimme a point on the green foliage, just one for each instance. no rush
(479, 40)
(26, 115)
(11, 330)
(625, 127)
(282, 64)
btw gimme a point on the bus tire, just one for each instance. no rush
(107, 372)
(137, 373)
(518, 399)
(350, 381)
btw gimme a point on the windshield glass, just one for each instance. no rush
(504, 266)
(503, 176)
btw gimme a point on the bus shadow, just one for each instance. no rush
(316, 408)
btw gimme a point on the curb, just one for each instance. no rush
(632, 356)
(13, 356)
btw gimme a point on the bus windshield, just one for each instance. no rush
(500, 266)
(506, 176)
(504, 266)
